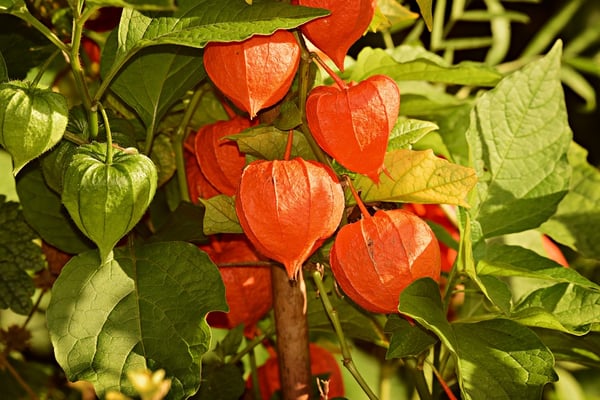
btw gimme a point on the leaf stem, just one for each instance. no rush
(179, 141)
(33, 309)
(43, 68)
(4, 363)
(288, 145)
(361, 205)
(337, 327)
(338, 81)
(43, 29)
(109, 147)
(249, 349)
(419, 378)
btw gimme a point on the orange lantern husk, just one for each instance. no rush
(375, 258)
(336, 33)
(288, 208)
(256, 73)
(352, 123)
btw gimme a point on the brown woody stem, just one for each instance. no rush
(289, 304)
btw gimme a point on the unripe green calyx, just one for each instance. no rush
(107, 200)
(31, 121)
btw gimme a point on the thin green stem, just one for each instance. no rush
(337, 327)
(112, 73)
(387, 39)
(43, 68)
(251, 345)
(4, 363)
(44, 30)
(33, 309)
(254, 375)
(179, 140)
(109, 147)
(419, 378)
(338, 81)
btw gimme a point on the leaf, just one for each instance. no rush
(135, 4)
(184, 224)
(220, 215)
(564, 307)
(221, 382)
(268, 143)
(407, 132)
(197, 22)
(146, 308)
(163, 156)
(505, 261)
(10, 6)
(519, 136)
(424, 67)
(175, 70)
(229, 345)
(497, 359)
(18, 254)
(43, 210)
(565, 347)
(425, 7)
(578, 216)
(497, 291)
(418, 177)
(407, 340)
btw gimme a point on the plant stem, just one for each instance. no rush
(43, 29)
(388, 40)
(289, 305)
(254, 375)
(288, 145)
(337, 327)
(361, 205)
(179, 140)
(4, 363)
(338, 81)
(109, 147)
(249, 349)
(43, 68)
(419, 378)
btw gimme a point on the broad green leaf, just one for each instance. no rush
(356, 323)
(453, 124)
(519, 136)
(496, 291)
(268, 143)
(221, 382)
(495, 359)
(197, 22)
(419, 177)
(565, 306)
(407, 132)
(289, 116)
(407, 340)
(427, 67)
(229, 345)
(184, 224)
(146, 308)
(505, 261)
(578, 216)
(45, 213)
(134, 4)
(220, 215)
(175, 70)
(425, 6)
(565, 347)
(501, 359)
(163, 156)
(3, 70)
(7, 183)
(18, 254)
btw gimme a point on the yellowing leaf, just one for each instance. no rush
(419, 177)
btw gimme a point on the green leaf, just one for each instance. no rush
(230, 344)
(578, 216)
(135, 4)
(407, 340)
(407, 132)
(221, 382)
(425, 6)
(146, 308)
(497, 359)
(220, 215)
(32, 121)
(197, 22)
(496, 291)
(565, 307)
(410, 63)
(418, 177)
(7, 6)
(505, 261)
(163, 156)
(45, 213)
(3, 70)
(175, 70)
(184, 224)
(268, 143)
(565, 347)
(519, 136)
(18, 254)
(289, 116)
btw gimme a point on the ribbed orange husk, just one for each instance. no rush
(288, 208)
(256, 73)
(322, 362)
(198, 186)
(247, 288)
(220, 159)
(374, 259)
(337, 32)
(353, 125)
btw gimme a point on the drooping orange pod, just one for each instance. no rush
(198, 186)
(337, 32)
(288, 208)
(256, 73)
(322, 364)
(374, 259)
(353, 123)
(220, 159)
(247, 288)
